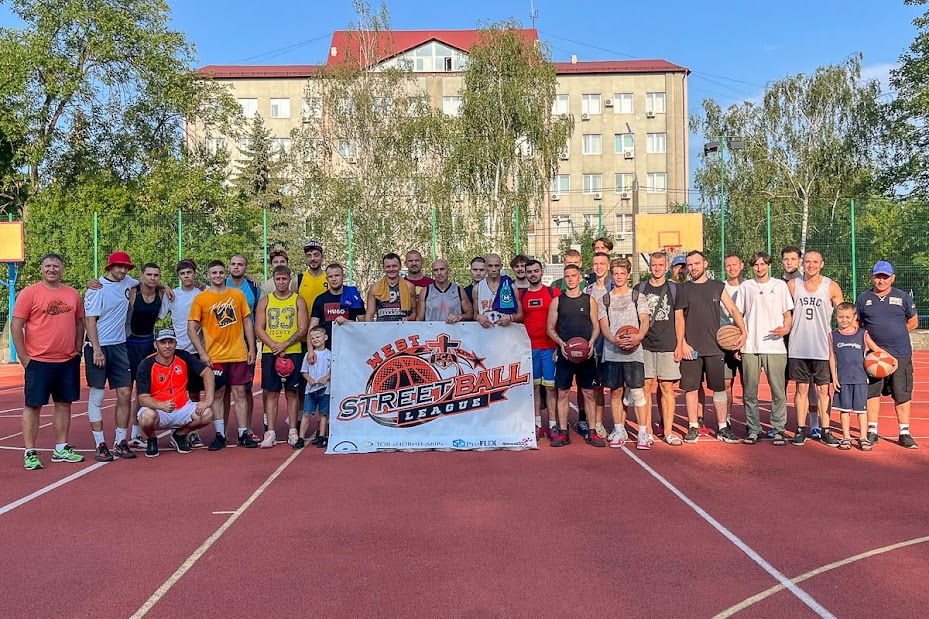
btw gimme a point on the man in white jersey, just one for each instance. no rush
(815, 296)
(485, 292)
(443, 300)
(733, 266)
(766, 304)
(105, 355)
(790, 261)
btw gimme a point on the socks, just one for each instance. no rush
(60, 446)
(904, 428)
(538, 421)
(136, 431)
(121, 435)
(872, 426)
(98, 437)
(220, 427)
(242, 431)
(693, 424)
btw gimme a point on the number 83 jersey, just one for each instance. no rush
(281, 320)
(812, 321)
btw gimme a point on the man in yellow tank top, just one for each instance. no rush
(312, 282)
(281, 322)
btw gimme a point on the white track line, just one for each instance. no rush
(802, 595)
(205, 546)
(819, 570)
(61, 482)
(20, 408)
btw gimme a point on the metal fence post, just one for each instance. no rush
(264, 236)
(180, 235)
(768, 215)
(96, 246)
(351, 262)
(854, 254)
(517, 230)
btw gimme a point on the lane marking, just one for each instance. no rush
(61, 482)
(40, 449)
(802, 595)
(819, 570)
(218, 513)
(20, 408)
(205, 546)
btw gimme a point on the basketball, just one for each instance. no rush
(577, 349)
(728, 336)
(627, 331)
(879, 364)
(283, 366)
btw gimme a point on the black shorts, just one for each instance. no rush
(805, 371)
(693, 372)
(61, 380)
(899, 385)
(194, 381)
(566, 371)
(115, 370)
(616, 374)
(137, 351)
(272, 381)
(732, 366)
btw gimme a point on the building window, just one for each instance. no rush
(623, 143)
(561, 224)
(214, 145)
(657, 182)
(593, 183)
(561, 184)
(347, 149)
(656, 143)
(622, 103)
(655, 102)
(245, 147)
(451, 106)
(593, 144)
(249, 107)
(592, 220)
(280, 108)
(312, 108)
(590, 104)
(280, 145)
(624, 183)
(560, 104)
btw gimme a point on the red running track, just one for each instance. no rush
(554, 532)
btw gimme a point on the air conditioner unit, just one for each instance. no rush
(598, 196)
(628, 154)
(621, 236)
(555, 197)
(649, 114)
(624, 195)
(608, 103)
(564, 156)
(585, 116)
(351, 160)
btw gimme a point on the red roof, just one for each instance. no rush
(619, 66)
(404, 40)
(220, 71)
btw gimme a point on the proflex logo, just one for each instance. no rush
(412, 383)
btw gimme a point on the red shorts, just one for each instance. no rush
(232, 374)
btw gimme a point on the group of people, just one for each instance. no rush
(652, 334)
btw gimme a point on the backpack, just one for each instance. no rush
(523, 291)
(635, 302)
(671, 286)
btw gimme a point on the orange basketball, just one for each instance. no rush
(627, 331)
(879, 364)
(728, 336)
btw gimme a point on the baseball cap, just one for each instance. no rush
(311, 244)
(165, 334)
(883, 267)
(119, 258)
(679, 260)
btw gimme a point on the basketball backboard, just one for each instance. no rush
(12, 244)
(668, 231)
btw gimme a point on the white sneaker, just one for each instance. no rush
(137, 442)
(617, 438)
(292, 436)
(270, 440)
(643, 442)
(601, 431)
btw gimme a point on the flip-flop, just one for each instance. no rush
(674, 440)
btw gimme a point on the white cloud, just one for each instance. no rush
(879, 72)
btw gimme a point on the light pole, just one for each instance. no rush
(718, 145)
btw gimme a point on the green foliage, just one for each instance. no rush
(583, 241)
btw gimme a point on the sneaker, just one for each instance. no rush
(601, 431)
(31, 460)
(254, 437)
(137, 442)
(826, 438)
(659, 430)
(583, 428)
(103, 453)
(596, 440)
(800, 437)
(269, 440)
(560, 438)
(151, 449)
(539, 433)
(726, 435)
(701, 427)
(292, 436)
(194, 440)
(67, 454)
(692, 435)
(246, 439)
(643, 443)
(122, 450)
(907, 441)
(769, 434)
(179, 442)
(219, 442)
(322, 442)
(618, 438)
(873, 438)
(816, 433)
(299, 443)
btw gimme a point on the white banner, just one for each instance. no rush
(430, 385)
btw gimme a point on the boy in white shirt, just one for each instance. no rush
(317, 377)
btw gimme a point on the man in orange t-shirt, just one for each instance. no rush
(223, 315)
(48, 330)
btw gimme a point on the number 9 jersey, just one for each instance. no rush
(812, 321)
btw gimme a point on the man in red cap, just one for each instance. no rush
(105, 355)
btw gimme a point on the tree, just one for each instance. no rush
(583, 241)
(808, 147)
(111, 69)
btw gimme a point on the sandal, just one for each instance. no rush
(865, 444)
(673, 439)
(845, 444)
(752, 438)
(779, 439)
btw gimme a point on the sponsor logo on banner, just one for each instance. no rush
(413, 382)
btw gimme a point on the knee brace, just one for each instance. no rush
(638, 396)
(95, 405)
(720, 396)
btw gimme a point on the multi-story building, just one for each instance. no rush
(628, 154)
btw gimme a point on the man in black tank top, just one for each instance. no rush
(573, 314)
(146, 307)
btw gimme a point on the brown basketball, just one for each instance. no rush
(728, 336)
(627, 331)
(577, 349)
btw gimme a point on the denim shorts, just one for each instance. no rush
(316, 399)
